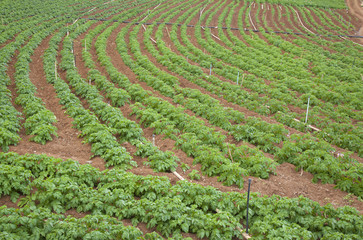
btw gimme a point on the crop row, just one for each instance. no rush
(326, 175)
(326, 161)
(217, 157)
(10, 117)
(53, 186)
(38, 120)
(165, 114)
(30, 222)
(125, 129)
(339, 135)
(100, 136)
(343, 135)
(172, 209)
(249, 100)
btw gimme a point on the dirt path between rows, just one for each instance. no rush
(356, 10)
(67, 144)
(287, 182)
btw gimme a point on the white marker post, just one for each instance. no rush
(74, 57)
(210, 70)
(154, 139)
(55, 70)
(307, 111)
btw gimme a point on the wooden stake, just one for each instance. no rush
(55, 69)
(167, 30)
(156, 7)
(88, 12)
(310, 126)
(153, 40)
(229, 150)
(249, 14)
(215, 36)
(302, 22)
(352, 41)
(212, 34)
(307, 111)
(108, 2)
(178, 176)
(149, 12)
(201, 12)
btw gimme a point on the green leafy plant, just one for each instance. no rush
(185, 167)
(194, 175)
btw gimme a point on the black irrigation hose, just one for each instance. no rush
(231, 28)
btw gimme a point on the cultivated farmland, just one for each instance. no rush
(144, 119)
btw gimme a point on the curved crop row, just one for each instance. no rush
(183, 207)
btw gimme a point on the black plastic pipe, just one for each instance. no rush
(233, 28)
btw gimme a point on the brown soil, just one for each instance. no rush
(67, 144)
(247, 112)
(287, 182)
(286, 175)
(356, 10)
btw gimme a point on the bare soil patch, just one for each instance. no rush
(356, 10)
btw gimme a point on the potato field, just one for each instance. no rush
(141, 119)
